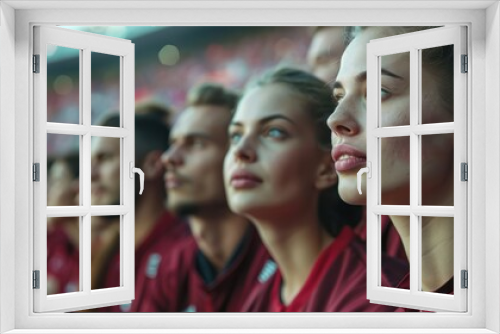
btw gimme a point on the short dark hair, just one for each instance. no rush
(151, 134)
(161, 111)
(213, 94)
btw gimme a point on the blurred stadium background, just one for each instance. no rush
(169, 61)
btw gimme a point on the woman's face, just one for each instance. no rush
(348, 125)
(274, 164)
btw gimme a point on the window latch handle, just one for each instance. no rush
(368, 172)
(141, 175)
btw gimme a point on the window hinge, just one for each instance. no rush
(464, 172)
(36, 172)
(36, 279)
(36, 63)
(465, 279)
(465, 64)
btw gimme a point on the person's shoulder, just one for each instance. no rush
(343, 285)
(181, 253)
(171, 228)
(260, 297)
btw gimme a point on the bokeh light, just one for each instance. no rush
(63, 85)
(169, 55)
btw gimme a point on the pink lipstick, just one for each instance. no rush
(348, 158)
(242, 179)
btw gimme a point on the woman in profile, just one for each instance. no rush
(278, 172)
(348, 126)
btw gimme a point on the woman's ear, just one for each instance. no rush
(152, 166)
(327, 175)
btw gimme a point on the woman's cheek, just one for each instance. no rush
(395, 170)
(396, 112)
(437, 153)
(292, 167)
(226, 168)
(396, 150)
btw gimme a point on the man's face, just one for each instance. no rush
(325, 53)
(193, 163)
(105, 171)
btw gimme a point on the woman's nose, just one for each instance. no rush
(245, 150)
(343, 121)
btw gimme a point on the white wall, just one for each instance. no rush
(492, 173)
(7, 162)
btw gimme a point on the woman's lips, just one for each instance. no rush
(241, 179)
(348, 158)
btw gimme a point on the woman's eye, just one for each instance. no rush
(276, 133)
(338, 95)
(234, 137)
(384, 94)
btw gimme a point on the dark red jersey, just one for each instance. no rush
(166, 234)
(336, 283)
(62, 262)
(185, 283)
(391, 241)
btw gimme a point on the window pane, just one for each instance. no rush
(63, 242)
(437, 169)
(105, 252)
(63, 170)
(395, 89)
(437, 85)
(395, 170)
(105, 88)
(395, 270)
(105, 170)
(437, 254)
(63, 84)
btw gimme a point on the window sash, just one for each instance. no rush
(85, 42)
(413, 42)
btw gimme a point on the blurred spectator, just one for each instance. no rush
(155, 109)
(325, 51)
(155, 229)
(63, 232)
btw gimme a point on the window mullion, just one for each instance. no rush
(110, 132)
(66, 129)
(108, 210)
(415, 266)
(86, 102)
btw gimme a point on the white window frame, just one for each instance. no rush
(483, 20)
(412, 44)
(85, 43)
